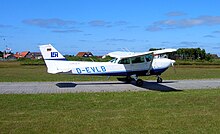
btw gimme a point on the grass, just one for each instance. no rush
(194, 111)
(191, 111)
(14, 72)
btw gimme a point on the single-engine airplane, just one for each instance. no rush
(128, 64)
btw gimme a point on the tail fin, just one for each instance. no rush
(50, 53)
(52, 59)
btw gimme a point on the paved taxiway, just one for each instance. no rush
(104, 86)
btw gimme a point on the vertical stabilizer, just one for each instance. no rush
(55, 61)
(50, 53)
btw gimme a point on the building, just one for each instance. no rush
(84, 54)
(28, 54)
(34, 55)
(18, 55)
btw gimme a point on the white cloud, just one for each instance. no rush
(184, 23)
(209, 36)
(175, 13)
(5, 26)
(67, 31)
(99, 23)
(50, 23)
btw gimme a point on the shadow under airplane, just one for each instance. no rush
(154, 86)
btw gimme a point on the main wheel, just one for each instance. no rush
(139, 82)
(159, 80)
(128, 79)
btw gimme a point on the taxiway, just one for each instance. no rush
(103, 86)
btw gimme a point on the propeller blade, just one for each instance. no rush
(174, 68)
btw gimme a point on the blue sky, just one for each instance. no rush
(102, 26)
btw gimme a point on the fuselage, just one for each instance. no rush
(115, 68)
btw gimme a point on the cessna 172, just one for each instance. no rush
(127, 64)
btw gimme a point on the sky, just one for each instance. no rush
(103, 26)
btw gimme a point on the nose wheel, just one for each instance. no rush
(159, 79)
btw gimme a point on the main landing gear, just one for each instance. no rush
(139, 82)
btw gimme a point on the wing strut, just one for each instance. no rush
(150, 67)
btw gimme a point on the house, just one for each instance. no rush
(84, 54)
(34, 55)
(18, 55)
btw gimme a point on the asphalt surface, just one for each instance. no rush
(104, 86)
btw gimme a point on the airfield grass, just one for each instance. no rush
(191, 111)
(14, 72)
(188, 111)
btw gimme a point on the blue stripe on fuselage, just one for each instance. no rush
(57, 59)
(128, 73)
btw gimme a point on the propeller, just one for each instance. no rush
(172, 64)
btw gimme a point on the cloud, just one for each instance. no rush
(50, 23)
(188, 44)
(87, 34)
(5, 26)
(119, 40)
(217, 31)
(175, 13)
(184, 23)
(67, 31)
(2, 36)
(99, 23)
(120, 23)
(209, 36)
(103, 23)
(133, 26)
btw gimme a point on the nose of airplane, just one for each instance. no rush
(172, 62)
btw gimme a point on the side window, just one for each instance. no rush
(113, 60)
(148, 58)
(124, 61)
(137, 59)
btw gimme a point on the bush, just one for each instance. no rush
(25, 61)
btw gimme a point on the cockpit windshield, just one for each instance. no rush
(113, 60)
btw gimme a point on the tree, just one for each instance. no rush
(1, 54)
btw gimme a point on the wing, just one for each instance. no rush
(122, 55)
(164, 51)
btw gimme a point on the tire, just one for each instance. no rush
(128, 79)
(139, 82)
(159, 80)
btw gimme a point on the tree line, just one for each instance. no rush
(189, 54)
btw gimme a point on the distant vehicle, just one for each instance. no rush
(128, 64)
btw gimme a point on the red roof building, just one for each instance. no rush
(84, 54)
(21, 55)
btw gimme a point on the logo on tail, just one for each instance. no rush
(54, 54)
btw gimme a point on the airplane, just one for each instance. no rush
(128, 64)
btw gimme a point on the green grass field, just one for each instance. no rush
(194, 111)
(13, 71)
(188, 111)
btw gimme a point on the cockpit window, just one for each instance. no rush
(148, 58)
(124, 61)
(137, 59)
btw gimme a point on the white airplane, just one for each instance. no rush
(127, 64)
